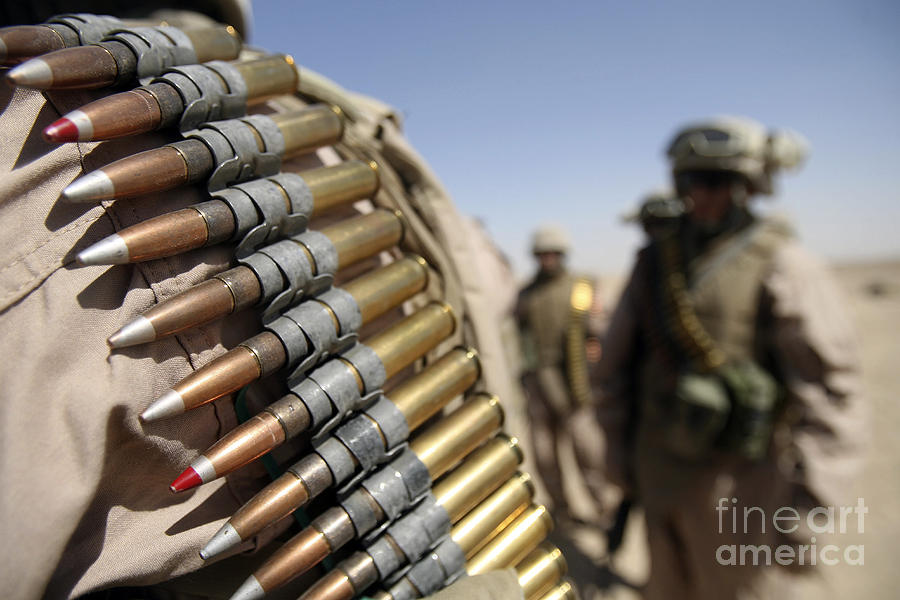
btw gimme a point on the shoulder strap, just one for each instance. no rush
(689, 334)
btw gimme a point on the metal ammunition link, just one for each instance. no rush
(443, 565)
(261, 214)
(210, 91)
(371, 372)
(81, 29)
(154, 49)
(285, 271)
(331, 392)
(308, 331)
(235, 149)
(368, 441)
(413, 535)
(395, 487)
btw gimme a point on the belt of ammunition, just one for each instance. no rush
(265, 210)
(347, 383)
(375, 436)
(562, 591)
(291, 268)
(366, 441)
(538, 572)
(394, 488)
(408, 539)
(209, 92)
(428, 575)
(148, 51)
(514, 543)
(80, 29)
(308, 330)
(242, 148)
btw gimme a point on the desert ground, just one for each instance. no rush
(872, 291)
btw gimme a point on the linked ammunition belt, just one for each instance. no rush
(360, 436)
(211, 91)
(154, 49)
(233, 143)
(260, 212)
(80, 29)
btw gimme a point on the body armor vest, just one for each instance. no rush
(701, 384)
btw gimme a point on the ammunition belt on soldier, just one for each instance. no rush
(431, 499)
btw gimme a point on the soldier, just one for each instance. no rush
(558, 314)
(730, 358)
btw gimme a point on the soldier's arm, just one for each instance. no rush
(816, 353)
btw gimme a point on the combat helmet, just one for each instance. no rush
(657, 205)
(550, 238)
(738, 145)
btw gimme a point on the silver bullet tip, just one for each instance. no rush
(32, 73)
(92, 187)
(226, 538)
(249, 590)
(138, 331)
(168, 405)
(110, 250)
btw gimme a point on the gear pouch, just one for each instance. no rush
(699, 413)
(754, 398)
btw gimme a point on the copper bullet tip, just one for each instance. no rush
(249, 590)
(138, 331)
(225, 538)
(35, 73)
(110, 250)
(168, 405)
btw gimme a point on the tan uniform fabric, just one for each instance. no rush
(817, 448)
(488, 586)
(86, 504)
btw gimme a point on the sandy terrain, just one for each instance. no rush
(873, 293)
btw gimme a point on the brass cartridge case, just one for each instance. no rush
(443, 444)
(484, 471)
(363, 236)
(485, 521)
(310, 128)
(218, 42)
(540, 570)
(422, 396)
(562, 591)
(337, 185)
(378, 291)
(401, 344)
(268, 76)
(513, 543)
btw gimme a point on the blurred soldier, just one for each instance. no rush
(732, 358)
(557, 314)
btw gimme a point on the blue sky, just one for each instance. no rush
(531, 113)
